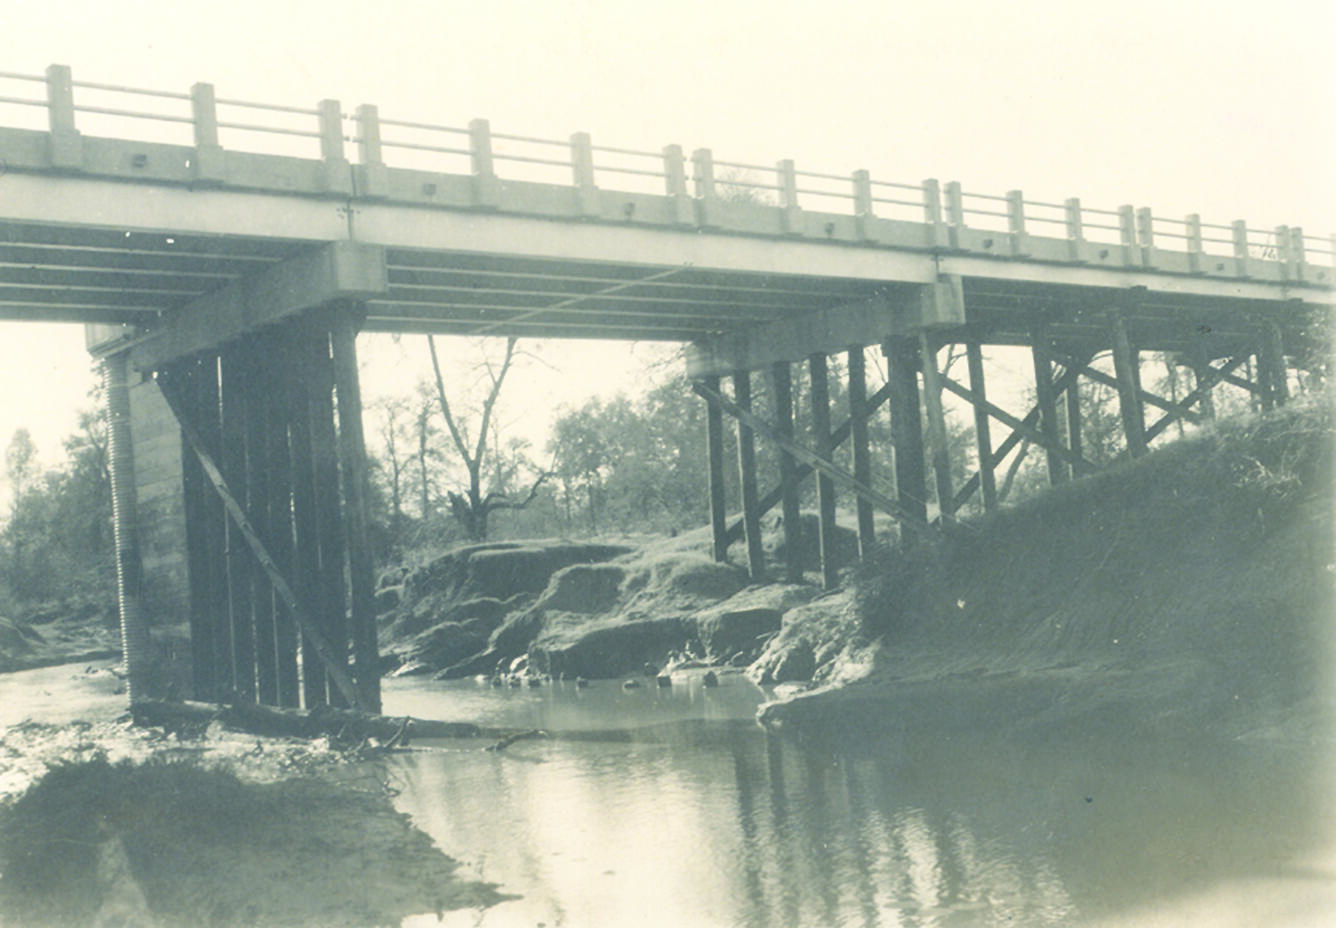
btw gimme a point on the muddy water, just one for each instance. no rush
(654, 807)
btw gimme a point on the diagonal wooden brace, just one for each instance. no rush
(337, 672)
(806, 455)
(1026, 430)
(1211, 377)
(1175, 410)
(1031, 421)
(800, 473)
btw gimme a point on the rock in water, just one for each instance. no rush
(710, 679)
(664, 680)
(631, 685)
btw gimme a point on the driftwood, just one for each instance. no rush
(343, 724)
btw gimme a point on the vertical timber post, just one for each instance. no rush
(982, 433)
(257, 508)
(329, 515)
(825, 487)
(134, 633)
(306, 562)
(1275, 361)
(236, 373)
(781, 383)
(907, 426)
(215, 531)
(194, 498)
(356, 492)
(714, 447)
(932, 401)
(751, 510)
(278, 462)
(1201, 370)
(867, 536)
(1125, 365)
(1048, 407)
(1074, 440)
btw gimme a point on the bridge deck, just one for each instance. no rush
(133, 230)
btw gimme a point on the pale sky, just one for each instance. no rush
(1222, 108)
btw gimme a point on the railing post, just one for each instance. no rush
(955, 213)
(486, 187)
(371, 176)
(675, 180)
(337, 171)
(863, 212)
(1075, 229)
(792, 214)
(1239, 230)
(1020, 239)
(1282, 237)
(1298, 255)
(1146, 236)
(1196, 250)
(209, 166)
(582, 169)
(1127, 234)
(65, 146)
(938, 234)
(707, 199)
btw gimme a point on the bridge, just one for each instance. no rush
(224, 254)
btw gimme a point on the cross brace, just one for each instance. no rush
(802, 471)
(806, 455)
(337, 672)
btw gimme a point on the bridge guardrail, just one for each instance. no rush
(957, 218)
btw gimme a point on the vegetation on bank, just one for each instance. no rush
(1194, 586)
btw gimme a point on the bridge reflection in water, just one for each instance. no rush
(716, 823)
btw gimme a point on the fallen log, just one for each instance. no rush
(344, 724)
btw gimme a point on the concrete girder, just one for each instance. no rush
(337, 271)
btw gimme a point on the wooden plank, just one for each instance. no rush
(714, 447)
(825, 487)
(198, 571)
(235, 371)
(215, 530)
(932, 403)
(1126, 367)
(356, 493)
(1204, 383)
(280, 531)
(247, 533)
(306, 524)
(751, 519)
(810, 457)
(257, 507)
(911, 482)
(781, 386)
(858, 418)
(1048, 408)
(1074, 436)
(982, 432)
(324, 448)
(1274, 348)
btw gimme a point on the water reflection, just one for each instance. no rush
(712, 822)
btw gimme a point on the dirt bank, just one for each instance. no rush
(587, 610)
(1191, 589)
(104, 823)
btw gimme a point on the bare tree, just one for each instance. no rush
(473, 507)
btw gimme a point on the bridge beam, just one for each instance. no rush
(903, 311)
(336, 271)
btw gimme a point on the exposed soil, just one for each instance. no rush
(105, 823)
(1192, 590)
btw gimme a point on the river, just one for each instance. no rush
(654, 807)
